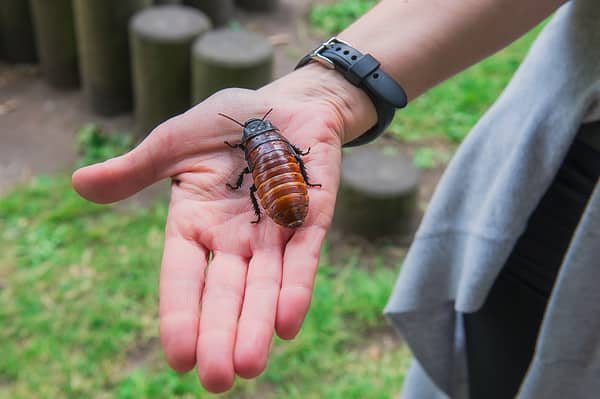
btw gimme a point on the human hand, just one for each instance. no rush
(249, 280)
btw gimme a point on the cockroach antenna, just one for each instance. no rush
(231, 119)
(267, 114)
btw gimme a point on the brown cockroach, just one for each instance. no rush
(280, 179)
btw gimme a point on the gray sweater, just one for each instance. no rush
(480, 208)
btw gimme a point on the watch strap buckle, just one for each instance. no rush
(315, 55)
(363, 71)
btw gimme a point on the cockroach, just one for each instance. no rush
(280, 179)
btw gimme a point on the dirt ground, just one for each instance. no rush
(38, 123)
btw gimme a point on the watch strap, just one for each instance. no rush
(365, 72)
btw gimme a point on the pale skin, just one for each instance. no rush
(220, 316)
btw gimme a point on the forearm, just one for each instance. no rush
(422, 42)
(418, 42)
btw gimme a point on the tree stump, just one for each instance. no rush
(377, 196)
(220, 12)
(104, 56)
(17, 41)
(54, 26)
(258, 5)
(161, 40)
(225, 58)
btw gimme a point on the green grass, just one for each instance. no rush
(428, 158)
(333, 17)
(78, 310)
(95, 145)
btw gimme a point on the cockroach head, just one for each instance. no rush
(254, 127)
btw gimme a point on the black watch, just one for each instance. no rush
(362, 70)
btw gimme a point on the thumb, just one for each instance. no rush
(118, 178)
(167, 149)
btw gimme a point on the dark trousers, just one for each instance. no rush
(501, 336)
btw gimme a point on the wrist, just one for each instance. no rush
(350, 108)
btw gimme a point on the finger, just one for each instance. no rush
(221, 306)
(300, 263)
(181, 282)
(154, 159)
(257, 320)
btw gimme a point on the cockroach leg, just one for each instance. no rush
(255, 204)
(299, 151)
(240, 179)
(304, 173)
(259, 138)
(239, 145)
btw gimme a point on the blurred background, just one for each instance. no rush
(84, 80)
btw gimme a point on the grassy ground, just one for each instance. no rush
(78, 310)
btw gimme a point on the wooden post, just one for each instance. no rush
(378, 194)
(258, 5)
(17, 40)
(225, 58)
(220, 12)
(104, 52)
(55, 34)
(161, 40)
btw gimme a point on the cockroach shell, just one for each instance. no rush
(280, 178)
(291, 215)
(286, 203)
(281, 189)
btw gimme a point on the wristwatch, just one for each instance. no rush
(363, 71)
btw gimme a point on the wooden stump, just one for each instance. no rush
(104, 52)
(220, 12)
(377, 196)
(258, 5)
(55, 34)
(17, 41)
(161, 40)
(225, 58)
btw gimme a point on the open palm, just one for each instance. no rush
(226, 284)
